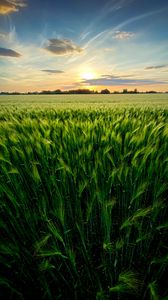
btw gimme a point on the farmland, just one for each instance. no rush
(84, 101)
(83, 197)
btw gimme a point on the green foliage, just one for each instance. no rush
(153, 290)
(83, 202)
(129, 283)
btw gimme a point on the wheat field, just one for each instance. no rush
(83, 197)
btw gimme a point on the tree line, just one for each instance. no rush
(80, 91)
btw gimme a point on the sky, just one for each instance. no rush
(95, 44)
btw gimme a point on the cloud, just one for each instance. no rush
(62, 47)
(8, 38)
(112, 77)
(103, 35)
(85, 34)
(9, 6)
(9, 52)
(110, 8)
(53, 71)
(2, 36)
(110, 80)
(123, 35)
(156, 67)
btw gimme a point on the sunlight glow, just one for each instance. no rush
(88, 75)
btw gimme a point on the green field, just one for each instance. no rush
(84, 101)
(83, 197)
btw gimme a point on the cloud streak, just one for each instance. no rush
(110, 80)
(156, 67)
(112, 6)
(53, 71)
(9, 52)
(62, 47)
(10, 6)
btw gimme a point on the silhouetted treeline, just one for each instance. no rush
(80, 91)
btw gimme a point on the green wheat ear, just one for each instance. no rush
(138, 215)
(161, 260)
(128, 282)
(162, 226)
(153, 290)
(120, 288)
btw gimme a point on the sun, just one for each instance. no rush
(88, 75)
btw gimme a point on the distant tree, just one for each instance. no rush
(105, 91)
(125, 91)
(151, 92)
(81, 91)
(116, 92)
(132, 92)
(58, 91)
(4, 93)
(45, 92)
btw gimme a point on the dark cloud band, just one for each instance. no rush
(9, 52)
(156, 67)
(53, 71)
(62, 47)
(119, 81)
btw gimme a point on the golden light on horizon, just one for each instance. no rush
(86, 75)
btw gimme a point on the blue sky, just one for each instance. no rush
(83, 44)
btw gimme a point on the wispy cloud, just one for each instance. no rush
(10, 6)
(62, 47)
(53, 71)
(112, 76)
(9, 52)
(110, 80)
(84, 35)
(8, 38)
(111, 7)
(123, 35)
(156, 67)
(103, 35)
(2, 36)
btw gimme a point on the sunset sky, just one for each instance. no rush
(69, 44)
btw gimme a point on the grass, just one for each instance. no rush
(83, 201)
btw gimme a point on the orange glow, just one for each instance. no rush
(6, 9)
